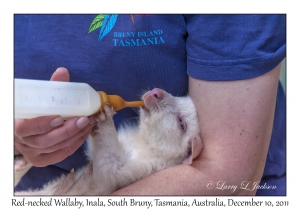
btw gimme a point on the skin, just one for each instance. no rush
(236, 119)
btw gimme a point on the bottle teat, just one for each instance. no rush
(117, 102)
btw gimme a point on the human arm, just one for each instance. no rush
(236, 119)
(48, 139)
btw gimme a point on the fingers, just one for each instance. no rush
(63, 153)
(55, 136)
(61, 74)
(55, 153)
(70, 142)
(35, 126)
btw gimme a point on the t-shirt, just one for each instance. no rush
(129, 54)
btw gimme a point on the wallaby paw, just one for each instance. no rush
(82, 184)
(66, 184)
(107, 113)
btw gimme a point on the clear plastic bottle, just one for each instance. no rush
(34, 98)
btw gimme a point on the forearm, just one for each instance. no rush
(201, 178)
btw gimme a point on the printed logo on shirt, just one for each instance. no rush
(125, 39)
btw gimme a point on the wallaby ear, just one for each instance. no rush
(195, 148)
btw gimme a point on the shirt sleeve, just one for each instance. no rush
(234, 47)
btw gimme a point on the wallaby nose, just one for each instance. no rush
(153, 97)
(157, 93)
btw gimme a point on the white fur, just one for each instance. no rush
(121, 158)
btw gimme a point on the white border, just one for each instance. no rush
(154, 6)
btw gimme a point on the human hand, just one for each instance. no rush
(49, 139)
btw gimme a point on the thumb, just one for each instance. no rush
(61, 74)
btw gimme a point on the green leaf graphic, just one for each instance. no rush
(97, 23)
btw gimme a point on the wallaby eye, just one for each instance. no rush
(182, 124)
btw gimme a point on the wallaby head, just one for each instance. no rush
(170, 125)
